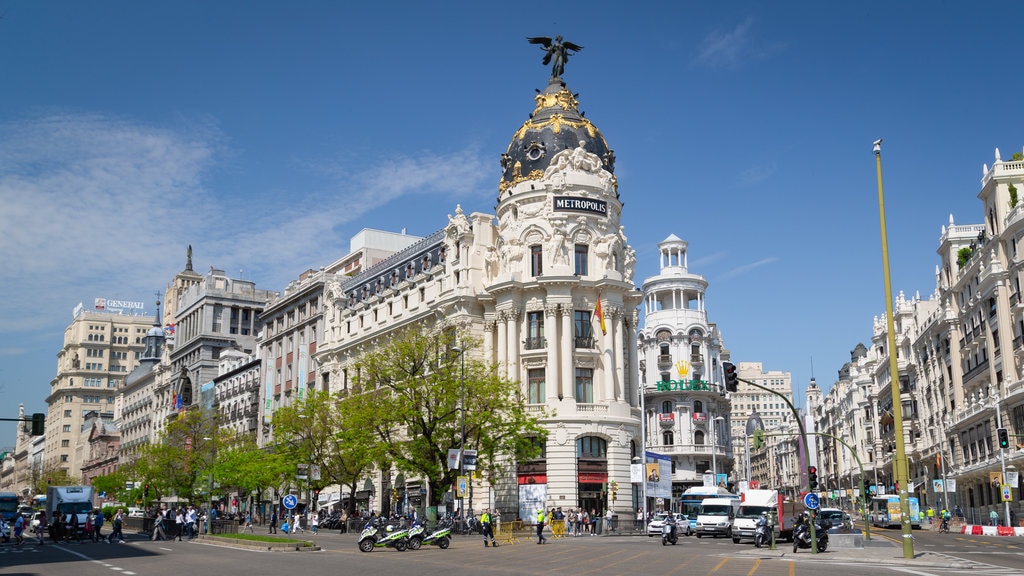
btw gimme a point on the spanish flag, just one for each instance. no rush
(600, 315)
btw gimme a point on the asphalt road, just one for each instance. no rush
(586, 556)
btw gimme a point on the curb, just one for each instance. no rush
(297, 546)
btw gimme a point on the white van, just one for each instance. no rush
(754, 503)
(716, 516)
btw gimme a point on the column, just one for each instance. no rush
(607, 390)
(619, 367)
(513, 344)
(551, 347)
(502, 349)
(567, 344)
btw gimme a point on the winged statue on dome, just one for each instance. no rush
(556, 52)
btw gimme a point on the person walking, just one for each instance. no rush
(994, 517)
(273, 522)
(19, 528)
(179, 523)
(116, 534)
(488, 527)
(158, 526)
(540, 526)
(73, 530)
(97, 527)
(41, 527)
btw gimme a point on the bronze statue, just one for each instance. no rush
(555, 53)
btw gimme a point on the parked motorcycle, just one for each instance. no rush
(441, 536)
(802, 535)
(669, 534)
(376, 535)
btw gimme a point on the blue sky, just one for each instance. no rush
(265, 134)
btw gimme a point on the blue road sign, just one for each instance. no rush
(290, 501)
(811, 501)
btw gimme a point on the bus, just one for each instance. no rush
(690, 501)
(885, 512)
(9, 506)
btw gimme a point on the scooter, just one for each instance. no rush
(668, 532)
(441, 536)
(802, 536)
(374, 536)
(761, 535)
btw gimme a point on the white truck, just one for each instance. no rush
(64, 500)
(715, 516)
(754, 502)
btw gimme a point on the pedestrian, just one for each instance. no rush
(314, 523)
(19, 527)
(994, 517)
(158, 526)
(116, 534)
(88, 526)
(248, 521)
(41, 527)
(73, 528)
(273, 522)
(179, 522)
(959, 513)
(97, 526)
(608, 520)
(190, 523)
(496, 520)
(638, 523)
(1013, 518)
(540, 526)
(488, 527)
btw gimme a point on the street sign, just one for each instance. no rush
(811, 501)
(1007, 492)
(290, 501)
(469, 460)
(462, 486)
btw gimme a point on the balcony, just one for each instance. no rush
(537, 343)
(664, 361)
(587, 343)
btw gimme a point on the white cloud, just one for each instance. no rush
(102, 206)
(725, 48)
(741, 270)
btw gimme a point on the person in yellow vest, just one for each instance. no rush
(486, 522)
(541, 518)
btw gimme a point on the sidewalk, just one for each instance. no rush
(875, 551)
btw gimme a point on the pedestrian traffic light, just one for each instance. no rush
(732, 380)
(812, 478)
(1004, 437)
(38, 424)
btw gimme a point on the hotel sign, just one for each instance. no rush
(577, 204)
(683, 385)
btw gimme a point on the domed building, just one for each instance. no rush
(546, 285)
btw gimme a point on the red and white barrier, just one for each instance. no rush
(979, 530)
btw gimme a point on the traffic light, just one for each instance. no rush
(38, 424)
(145, 491)
(812, 478)
(1004, 437)
(758, 439)
(732, 380)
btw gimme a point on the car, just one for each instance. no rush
(682, 524)
(135, 513)
(37, 518)
(836, 517)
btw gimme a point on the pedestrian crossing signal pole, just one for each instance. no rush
(900, 468)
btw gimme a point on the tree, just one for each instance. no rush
(412, 390)
(313, 431)
(181, 460)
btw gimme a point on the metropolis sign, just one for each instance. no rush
(576, 204)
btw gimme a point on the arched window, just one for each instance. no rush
(666, 407)
(591, 447)
(698, 407)
(409, 271)
(668, 438)
(698, 437)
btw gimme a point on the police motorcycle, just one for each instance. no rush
(761, 531)
(377, 535)
(441, 536)
(669, 533)
(802, 533)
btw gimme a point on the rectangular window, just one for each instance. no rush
(585, 385)
(66, 428)
(581, 259)
(584, 335)
(535, 385)
(536, 260)
(535, 326)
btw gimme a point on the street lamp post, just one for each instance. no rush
(714, 448)
(462, 437)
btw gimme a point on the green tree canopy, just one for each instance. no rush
(410, 391)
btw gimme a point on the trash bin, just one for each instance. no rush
(614, 523)
(597, 525)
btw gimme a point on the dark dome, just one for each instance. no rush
(555, 125)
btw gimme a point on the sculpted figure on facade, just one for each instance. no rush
(557, 247)
(459, 224)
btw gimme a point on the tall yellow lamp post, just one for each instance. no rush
(900, 467)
